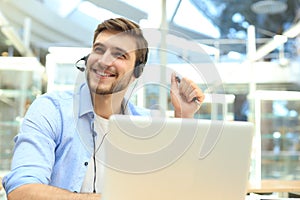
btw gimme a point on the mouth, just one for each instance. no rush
(104, 74)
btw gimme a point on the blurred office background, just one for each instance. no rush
(253, 46)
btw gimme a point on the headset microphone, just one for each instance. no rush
(85, 60)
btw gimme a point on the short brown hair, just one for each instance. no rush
(132, 29)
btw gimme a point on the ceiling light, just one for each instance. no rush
(269, 7)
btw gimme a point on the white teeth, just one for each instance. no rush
(103, 74)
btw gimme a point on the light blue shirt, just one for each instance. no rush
(55, 141)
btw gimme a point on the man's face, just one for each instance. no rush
(111, 63)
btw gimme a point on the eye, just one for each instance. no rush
(119, 54)
(99, 50)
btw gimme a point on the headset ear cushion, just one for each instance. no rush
(138, 70)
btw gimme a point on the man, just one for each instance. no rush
(52, 157)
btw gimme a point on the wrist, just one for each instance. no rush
(179, 114)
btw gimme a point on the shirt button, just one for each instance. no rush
(86, 163)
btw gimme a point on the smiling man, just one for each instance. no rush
(55, 150)
(110, 68)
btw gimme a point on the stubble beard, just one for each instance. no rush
(117, 86)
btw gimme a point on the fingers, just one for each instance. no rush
(190, 90)
(174, 84)
(192, 96)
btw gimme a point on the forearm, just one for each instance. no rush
(46, 192)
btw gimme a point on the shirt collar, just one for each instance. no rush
(85, 101)
(86, 105)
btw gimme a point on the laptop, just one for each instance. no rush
(153, 158)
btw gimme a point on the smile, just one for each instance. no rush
(103, 74)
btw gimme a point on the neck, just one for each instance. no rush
(107, 105)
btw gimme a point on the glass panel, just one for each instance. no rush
(211, 111)
(17, 91)
(96, 12)
(186, 15)
(62, 7)
(7, 132)
(152, 96)
(280, 133)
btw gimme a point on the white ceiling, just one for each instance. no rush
(29, 27)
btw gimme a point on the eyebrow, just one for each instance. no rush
(114, 48)
(98, 44)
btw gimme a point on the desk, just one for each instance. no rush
(1, 187)
(269, 186)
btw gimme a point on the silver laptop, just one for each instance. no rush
(152, 158)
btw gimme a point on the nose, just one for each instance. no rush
(107, 59)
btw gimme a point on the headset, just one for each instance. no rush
(137, 72)
(138, 69)
(85, 58)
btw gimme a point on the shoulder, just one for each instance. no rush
(50, 103)
(140, 111)
(55, 97)
(58, 95)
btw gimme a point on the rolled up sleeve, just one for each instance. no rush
(34, 151)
